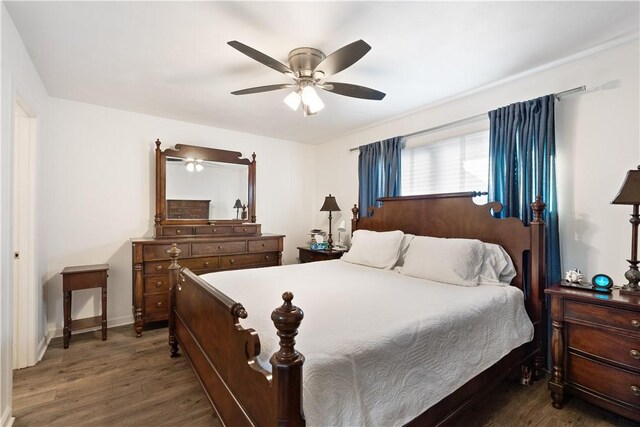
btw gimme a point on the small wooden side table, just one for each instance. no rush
(305, 254)
(84, 277)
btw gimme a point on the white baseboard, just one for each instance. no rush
(55, 331)
(42, 346)
(7, 419)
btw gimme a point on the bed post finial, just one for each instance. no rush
(538, 207)
(354, 211)
(287, 365)
(158, 143)
(287, 319)
(174, 283)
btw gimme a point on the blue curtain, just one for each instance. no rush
(378, 172)
(522, 151)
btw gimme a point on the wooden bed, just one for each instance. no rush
(204, 322)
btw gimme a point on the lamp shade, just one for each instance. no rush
(238, 204)
(330, 204)
(629, 193)
(342, 227)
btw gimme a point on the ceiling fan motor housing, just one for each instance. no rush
(304, 60)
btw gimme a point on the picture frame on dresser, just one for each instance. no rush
(207, 244)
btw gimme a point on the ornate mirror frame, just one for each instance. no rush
(196, 152)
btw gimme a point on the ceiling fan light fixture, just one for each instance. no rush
(293, 100)
(190, 166)
(311, 99)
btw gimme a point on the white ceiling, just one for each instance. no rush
(171, 59)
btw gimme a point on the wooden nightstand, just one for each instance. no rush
(307, 255)
(595, 349)
(75, 279)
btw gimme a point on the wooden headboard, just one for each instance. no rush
(456, 215)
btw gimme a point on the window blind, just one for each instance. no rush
(449, 165)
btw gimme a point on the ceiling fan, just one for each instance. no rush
(308, 67)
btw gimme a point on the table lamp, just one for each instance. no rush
(629, 194)
(330, 205)
(237, 207)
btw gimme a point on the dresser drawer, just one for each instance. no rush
(212, 248)
(607, 345)
(160, 251)
(600, 315)
(154, 284)
(177, 231)
(214, 229)
(245, 229)
(604, 379)
(266, 245)
(248, 260)
(162, 267)
(156, 305)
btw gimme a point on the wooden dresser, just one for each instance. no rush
(595, 348)
(206, 244)
(199, 254)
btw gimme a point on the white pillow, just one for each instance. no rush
(454, 261)
(404, 247)
(497, 267)
(374, 249)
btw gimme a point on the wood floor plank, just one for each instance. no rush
(129, 381)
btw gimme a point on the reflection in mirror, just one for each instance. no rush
(221, 183)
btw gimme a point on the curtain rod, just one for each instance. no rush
(476, 117)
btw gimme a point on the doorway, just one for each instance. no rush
(26, 298)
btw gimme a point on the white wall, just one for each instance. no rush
(598, 140)
(19, 79)
(99, 191)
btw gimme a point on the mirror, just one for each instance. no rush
(219, 183)
(199, 185)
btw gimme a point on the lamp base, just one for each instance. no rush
(629, 290)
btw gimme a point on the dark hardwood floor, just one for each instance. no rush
(127, 381)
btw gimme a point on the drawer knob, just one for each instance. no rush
(635, 390)
(213, 230)
(158, 284)
(635, 323)
(231, 261)
(159, 304)
(159, 268)
(266, 257)
(178, 231)
(263, 245)
(206, 263)
(244, 229)
(220, 247)
(635, 354)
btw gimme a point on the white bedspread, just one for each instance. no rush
(380, 348)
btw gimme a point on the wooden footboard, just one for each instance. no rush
(224, 357)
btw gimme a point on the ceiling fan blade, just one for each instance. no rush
(261, 57)
(353, 91)
(343, 58)
(261, 89)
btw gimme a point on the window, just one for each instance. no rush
(450, 165)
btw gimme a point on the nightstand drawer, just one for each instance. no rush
(614, 383)
(608, 316)
(610, 346)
